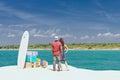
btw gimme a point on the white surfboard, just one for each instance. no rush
(22, 50)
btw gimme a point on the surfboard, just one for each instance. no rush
(23, 50)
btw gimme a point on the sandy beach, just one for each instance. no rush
(13, 73)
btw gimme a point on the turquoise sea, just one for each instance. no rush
(85, 59)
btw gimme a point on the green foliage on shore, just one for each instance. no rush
(94, 46)
(71, 46)
(39, 46)
(9, 47)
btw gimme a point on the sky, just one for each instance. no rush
(77, 21)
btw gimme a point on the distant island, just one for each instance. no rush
(92, 46)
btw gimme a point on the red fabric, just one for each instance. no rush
(56, 48)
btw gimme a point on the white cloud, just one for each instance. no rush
(50, 33)
(117, 35)
(1, 25)
(93, 37)
(33, 31)
(11, 35)
(109, 34)
(53, 34)
(44, 33)
(36, 33)
(68, 36)
(21, 25)
(99, 34)
(101, 37)
(84, 37)
(39, 35)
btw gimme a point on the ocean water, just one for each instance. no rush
(85, 59)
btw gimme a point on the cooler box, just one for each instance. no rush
(33, 58)
(28, 65)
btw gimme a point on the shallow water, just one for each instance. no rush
(86, 59)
